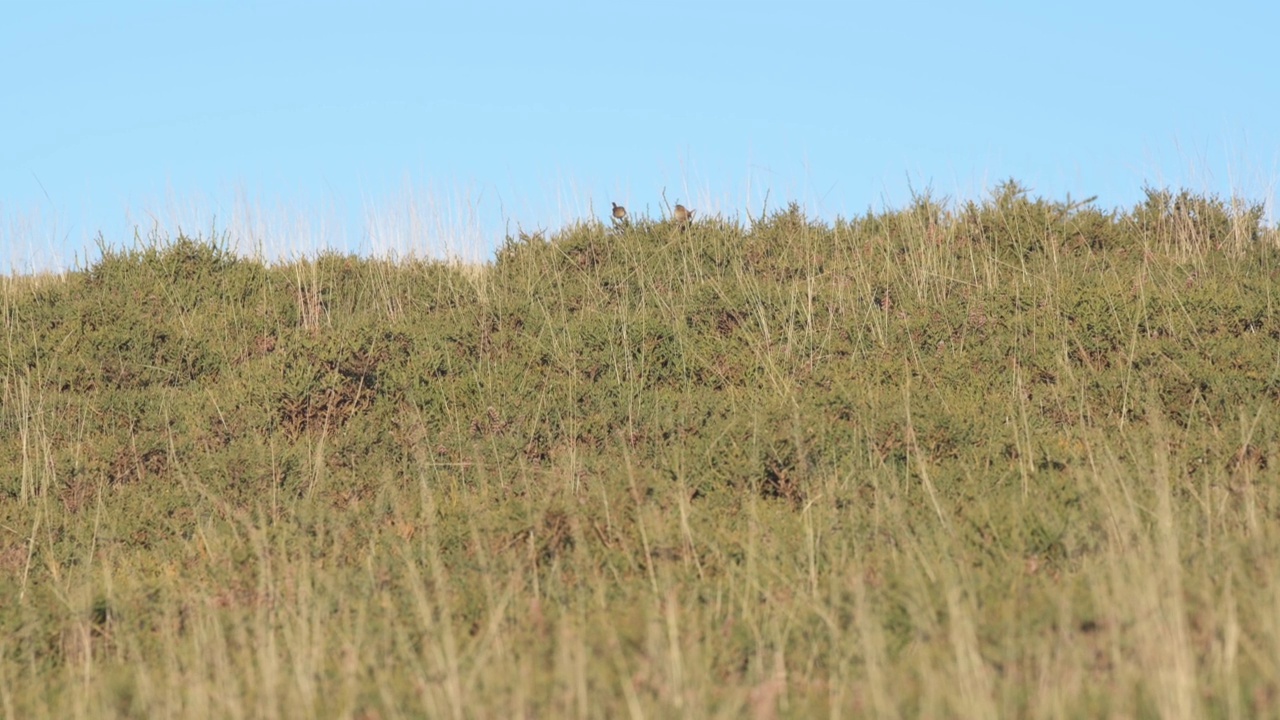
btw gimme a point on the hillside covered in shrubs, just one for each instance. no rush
(1015, 457)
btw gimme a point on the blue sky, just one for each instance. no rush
(498, 115)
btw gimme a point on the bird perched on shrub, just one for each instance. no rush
(619, 213)
(682, 215)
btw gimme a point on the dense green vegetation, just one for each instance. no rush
(1014, 458)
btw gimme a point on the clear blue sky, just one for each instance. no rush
(492, 115)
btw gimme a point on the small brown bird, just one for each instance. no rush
(619, 213)
(682, 215)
